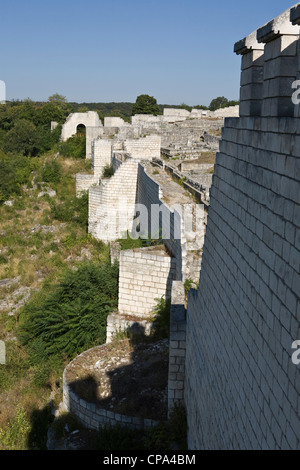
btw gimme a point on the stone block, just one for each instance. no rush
(280, 25)
(250, 108)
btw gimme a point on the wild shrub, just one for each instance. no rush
(14, 435)
(52, 172)
(72, 317)
(72, 209)
(74, 147)
(161, 318)
(15, 171)
(108, 171)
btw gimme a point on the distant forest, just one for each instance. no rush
(122, 109)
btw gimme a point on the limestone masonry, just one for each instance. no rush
(229, 222)
(241, 387)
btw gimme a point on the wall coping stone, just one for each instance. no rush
(295, 15)
(277, 27)
(247, 44)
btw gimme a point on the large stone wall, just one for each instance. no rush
(146, 275)
(84, 182)
(177, 346)
(145, 148)
(111, 205)
(149, 194)
(244, 317)
(101, 155)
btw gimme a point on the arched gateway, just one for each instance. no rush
(92, 123)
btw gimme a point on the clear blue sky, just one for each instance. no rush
(179, 51)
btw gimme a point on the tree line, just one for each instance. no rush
(25, 130)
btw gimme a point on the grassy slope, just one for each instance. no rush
(36, 257)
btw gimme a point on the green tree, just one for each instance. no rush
(57, 98)
(217, 103)
(48, 112)
(22, 138)
(146, 104)
(186, 106)
(14, 172)
(61, 101)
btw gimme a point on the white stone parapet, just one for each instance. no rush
(252, 75)
(281, 38)
(270, 67)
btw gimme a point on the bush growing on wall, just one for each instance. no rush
(108, 171)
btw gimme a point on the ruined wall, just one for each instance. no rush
(90, 120)
(111, 205)
(84, 182)
(144, 148)
(92, 415)
(244, 317)
(101, 155)
(177, 346)
(146, 275)
(149, 194)
(131, 323)
(114, 122)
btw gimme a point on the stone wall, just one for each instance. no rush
(101, 155)
(84, 182)
(132, 324)
(92, 415)
(177, 346)
(111, 205)
(92, 133)
(145, 148)
(90, 120)
(146, 275)
(244, 317)
(245, 395)
(149, 194)
(114, 122)
(181, 226)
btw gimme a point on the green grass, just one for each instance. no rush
(40, 260)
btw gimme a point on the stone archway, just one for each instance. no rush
(81, 130)
(88, 119)
(92, 123)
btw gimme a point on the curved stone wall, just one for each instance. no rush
(93, 416)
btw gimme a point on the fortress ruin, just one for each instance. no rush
(230, 348)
